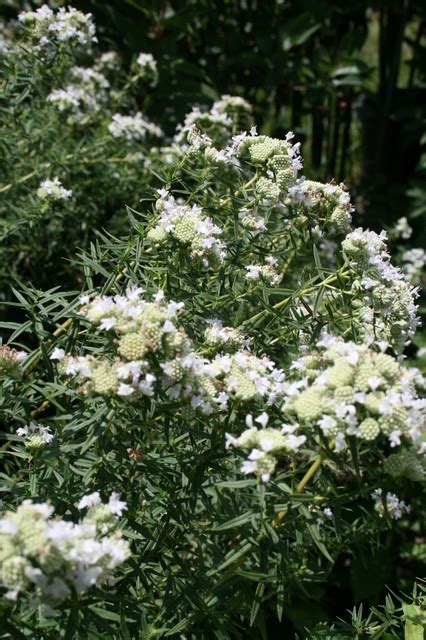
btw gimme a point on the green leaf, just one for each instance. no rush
(235, 522)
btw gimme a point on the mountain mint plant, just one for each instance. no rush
(228, 365)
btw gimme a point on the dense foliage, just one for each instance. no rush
(209, 423)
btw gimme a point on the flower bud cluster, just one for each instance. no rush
(278, 163)
(226, 116)
(406, 464)
(147, 68)
(107, 62)
(141, 328)
(224, 338)
(265, 445)
(150, 347)
(413, 264)
(35, 436)
(51, 190)
(90, 78)
(281, 157)
(74, 100)
(210, 384)
(249, 377)
(55, 558)
(267, 272)
(347, 389)
(201, 146)
(382, 287)
(327, 203)
(237, 108)
(133, 128)
(10, 361)
(67, 25)
(188, 226)
(389, 505)
(250, 220)
(401, 230)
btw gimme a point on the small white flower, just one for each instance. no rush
(57, 354)
(263, 419)
(116, 505)
(125, 389)
(91, 500)
(107, 323)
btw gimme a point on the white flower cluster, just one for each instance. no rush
(250, 220)
(266, 445)
(147, 66)
(267, 272)
(66, 25)
(90, 78)
(383, 288)
(413, 263)
(146, 329)
(132, 128)
(232, 104)
(10, 360)
(143, 328)
(35, 436)
(208, 136)
(85, 95)
(74, 100)
(188, 226)
(347, 389)
(209, 384)
(278, 163)
(402, 229)
(53, 190)
(107, 61)
(389, 505)
(221, 337)
(227, 116)
(201, 146)
(327, 202)
(54, 557)
(281, 158)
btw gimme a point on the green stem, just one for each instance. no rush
(275, 523)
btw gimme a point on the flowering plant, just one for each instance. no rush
(231, 374)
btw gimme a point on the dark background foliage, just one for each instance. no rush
(349, 77)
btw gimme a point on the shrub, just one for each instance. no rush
(231, 376)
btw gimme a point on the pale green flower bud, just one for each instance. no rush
(373, 401)
(104, 379)
(406, 464)
(341, 220)
(386, 365)
(368, 429)
(157, 234)
(13, 573)
(344, 394)
(285, 179)
(185, 230)
(365, 372)
(340, 375)
(132, 346)
(310, 404)
(266, 188)
(281, 163)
